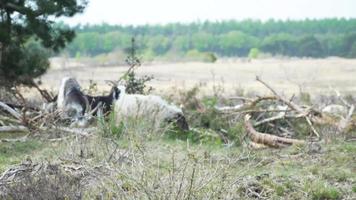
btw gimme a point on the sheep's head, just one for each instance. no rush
(175, 114)
(115, 93)
(121, 89)
(68, 83)
(117, 90)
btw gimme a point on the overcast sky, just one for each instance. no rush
(136, 12)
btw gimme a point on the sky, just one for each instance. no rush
(138, 12)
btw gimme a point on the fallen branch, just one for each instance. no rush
(340, 97)
(22, 139)
(230, 108)
(44, 93)
(11, 111)
(312, 126)
(243, 99)
(242, 107)
(288, 103)
(9, 120)
(13, 129)
(267, 139)
(292, 106)
(274, 118)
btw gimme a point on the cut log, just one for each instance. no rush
(267, 139)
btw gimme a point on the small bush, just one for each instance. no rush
(134, 84)
(42, 182)
(254, 53)
(195, 55)
(137, 85)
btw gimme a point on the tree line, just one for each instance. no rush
(297, 38)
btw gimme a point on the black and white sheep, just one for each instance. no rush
(104, 102)
(71, 101)
(149, 107)
(74, 104)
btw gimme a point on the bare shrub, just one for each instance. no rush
(40, 181)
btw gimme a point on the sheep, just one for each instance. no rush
(103, 101)
(150, 107)
(71, 101)
(335, 109)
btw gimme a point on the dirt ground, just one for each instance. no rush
(288, 76)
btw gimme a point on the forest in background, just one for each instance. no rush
(252, 38)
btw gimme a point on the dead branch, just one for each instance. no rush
(292, 106)
(312, 126)
(243, 99)
(242, 107)
(267, 139)
(340, 97)
(259, 99)
(267, 120)
(21, 107)
(278, 117)
(288, 103)
(44, 93)
(13, 129)
(230, 108)
(11, 111)
(9, 120)
(21, 139)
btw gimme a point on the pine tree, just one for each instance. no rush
(25, 21)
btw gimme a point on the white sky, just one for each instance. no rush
(135, 12)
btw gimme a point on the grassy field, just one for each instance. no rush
(137, 162)
(151, 167)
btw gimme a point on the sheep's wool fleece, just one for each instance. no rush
(149, 107)
(335, 109)
(66, 85)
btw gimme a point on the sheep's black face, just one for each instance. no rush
(116, 93)
(181, 122)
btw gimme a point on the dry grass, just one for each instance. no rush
(137, 167)
(288, 75)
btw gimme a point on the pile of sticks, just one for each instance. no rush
(279, 118)
(31, 119)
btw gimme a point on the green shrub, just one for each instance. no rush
(196, 55)
(254, 53)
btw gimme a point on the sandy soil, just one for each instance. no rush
(285, 75)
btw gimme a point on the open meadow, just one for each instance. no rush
(314, 76)
(215, 159)
(177, 100)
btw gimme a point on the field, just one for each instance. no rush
(314, 76)
(135, 161)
